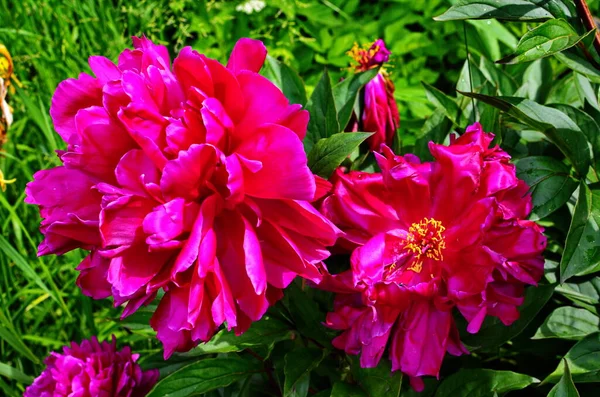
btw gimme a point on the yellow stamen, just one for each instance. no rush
(6, 64)
(4, 182)
(425, 240)
(363, 55)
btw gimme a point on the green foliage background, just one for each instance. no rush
(40, 307)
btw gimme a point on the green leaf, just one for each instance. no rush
(329, 153)
(14, 374)
(482, 383)
(573, 61)
(341, 389)
(205, 375)
(582, 248)
(286, 79)
(24, 266)
(346, 92)
(267, 331)
(444, 102)
(550, 183)
(554, 124)
(504, 83)
(436, 129)
(493, 333)
(552, 36)
(510, 10)
(323, 121)
(379, 381)
(583, 360)
(298, 365)
(307, 315)
(565, 387)
(589, 127)
(568, 323)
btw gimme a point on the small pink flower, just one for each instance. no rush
(188, 177)
(429, 237)
(92, 369)
(380, 113)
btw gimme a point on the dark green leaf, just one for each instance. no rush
(298, 365)
(504, 83)
(436, 129)
(493, 333)
(15, 374)
(573, 61)
(205, 375)
(482, 383)
(345, 93)
(379, 381)
(307, 315)
(583, 360)
(554, 124)
(550, 182)
(588, 126)
(327, 154)
(444, 102)
(565, 387)
(267, 331)
(552, 36)
(568, 323)
(323, 121)
(582, 248)
(511, 10)
(341, 389)
(286, 79)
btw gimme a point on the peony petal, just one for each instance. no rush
(247, 54)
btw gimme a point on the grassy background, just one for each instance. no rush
(40, 307)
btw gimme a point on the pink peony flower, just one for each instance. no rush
(188, 177)
(92, 369)
(380, 113)
(430, 237)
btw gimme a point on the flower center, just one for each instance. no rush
(364, 56)
(425, 240)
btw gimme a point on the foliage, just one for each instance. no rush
(531, 76)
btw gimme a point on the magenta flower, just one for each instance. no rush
(92, 369)
(188, 177)
(380, 113)
(430, 237)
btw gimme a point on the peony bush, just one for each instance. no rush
(276, 245)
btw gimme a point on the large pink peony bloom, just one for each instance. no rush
(188, 177)
(431, 237)
(92, 369)
(380, 114)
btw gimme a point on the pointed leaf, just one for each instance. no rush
(444, 102)
(554, 124)
(328, 154)
(583, 361)
(549, 181)
(565, 387)
(582, 248)
(267, 331)
(341, 389)
(510, 10)
(298, 365)
(346, 92)
(482, 383)
(323, 121)
(286, 79)
(568, 323)
(552, 36)
(204, 376)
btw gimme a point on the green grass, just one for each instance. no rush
(41, 308)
